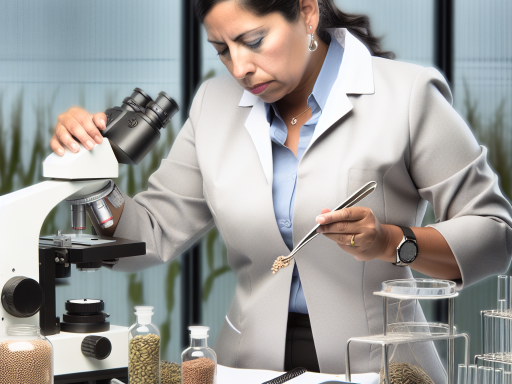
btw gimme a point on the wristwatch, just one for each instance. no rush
(407, 250)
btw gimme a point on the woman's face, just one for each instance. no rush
(267, 55)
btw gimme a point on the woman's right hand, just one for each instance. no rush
(77, 124)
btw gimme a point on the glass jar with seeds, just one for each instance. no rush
(198, 362)
(24, 346)
(144, 348)
(409, 344)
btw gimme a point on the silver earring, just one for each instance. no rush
(313, 44)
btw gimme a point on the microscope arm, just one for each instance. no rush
(22, 215)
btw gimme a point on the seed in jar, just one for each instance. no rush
(405, 373)
(35, 358)
(144, 359)
(198, 371)
(170, 373)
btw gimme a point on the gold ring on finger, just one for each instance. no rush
(352, 243)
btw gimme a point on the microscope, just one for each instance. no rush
(86, 347)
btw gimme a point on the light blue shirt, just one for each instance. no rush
(285, 163)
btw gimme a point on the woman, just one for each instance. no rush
(312, 111)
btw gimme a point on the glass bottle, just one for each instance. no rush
(198, 362)
(24, 346)
(144, 348)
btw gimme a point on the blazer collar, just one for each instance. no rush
(354, 77)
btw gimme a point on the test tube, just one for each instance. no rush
(506, 335)
(473, 374)
(488, 374)
(498, 376)
(489, 335)
(507, 377)
(462, 374)
(503, 292)
(482, 377)
(510, 293)
(501, 334)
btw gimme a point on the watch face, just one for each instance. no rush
(408, 251)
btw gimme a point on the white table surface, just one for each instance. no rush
(226, 375)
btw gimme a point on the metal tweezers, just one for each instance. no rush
(355, 198)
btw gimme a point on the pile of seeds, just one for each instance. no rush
(170, 373)
(279, 263)
(405, 373)
(27, 361)
(198, 371)
(144, 361)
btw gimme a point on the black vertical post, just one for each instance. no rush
(443, 46)
(191, 55)
(191, 260)
(190, 291)
(443, 39)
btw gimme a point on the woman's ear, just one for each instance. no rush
(310, 12)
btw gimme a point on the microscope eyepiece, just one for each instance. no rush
(134, 128)
(163, 107)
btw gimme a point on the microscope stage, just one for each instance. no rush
(106, 248)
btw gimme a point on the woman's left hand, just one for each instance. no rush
(371, 239)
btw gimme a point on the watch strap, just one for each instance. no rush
(408, 233)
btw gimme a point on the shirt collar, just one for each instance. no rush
(318, 97)
(328, 74)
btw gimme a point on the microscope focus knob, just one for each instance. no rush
(22, 296)
(98, 347)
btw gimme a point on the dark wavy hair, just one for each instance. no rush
(330, 17)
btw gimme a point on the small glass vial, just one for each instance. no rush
(25, 356)
(198, 363)
(144, 348)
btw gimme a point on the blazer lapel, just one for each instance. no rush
(259, 130)
(354, 77)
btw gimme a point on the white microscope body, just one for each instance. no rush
(21, 217)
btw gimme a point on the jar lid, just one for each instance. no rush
(198, 331)
(22, 330)
(144, 313)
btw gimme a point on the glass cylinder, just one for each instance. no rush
(510, 293)
(473, 374)
(503, 293)
(507, 377)
(482, 376)
(144, 348)
(462, 374)
(198, 362)
(25, 356)
(488, 374)
(498, 376)
(489, 332)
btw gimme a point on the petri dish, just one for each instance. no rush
(419, 287)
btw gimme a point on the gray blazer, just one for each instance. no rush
(386, 121)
